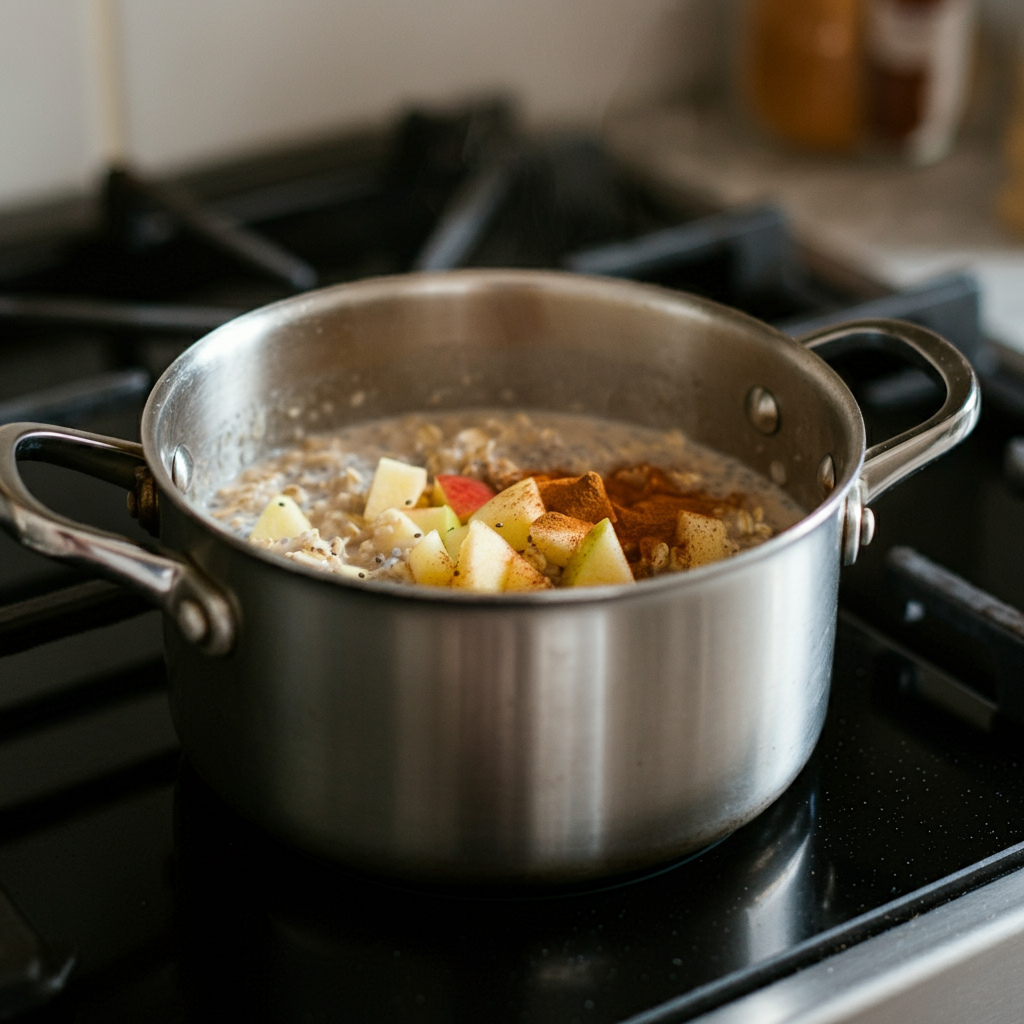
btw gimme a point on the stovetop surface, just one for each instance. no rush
(177, 910)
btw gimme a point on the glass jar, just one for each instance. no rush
(842, 75)
(800, 70)
(917, 61)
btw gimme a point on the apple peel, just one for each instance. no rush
(462, 493)
(598, 561)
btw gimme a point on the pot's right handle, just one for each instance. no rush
(891, 461)
(201, 611)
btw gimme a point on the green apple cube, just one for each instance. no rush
(483, 561)
(703, 539)
(441, 518)
(523, 576)
(395, 485)
(512, 512)
(393, 529)
(281, 518)
(598, 561)
(453, 541)
(430, 562)
(557, 536)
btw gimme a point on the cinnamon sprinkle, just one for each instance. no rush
(647, 504)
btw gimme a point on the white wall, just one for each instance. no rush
(201, 79)
(48, 138)
(208, 77)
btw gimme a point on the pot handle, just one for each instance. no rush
(202, 613)
(891, 461)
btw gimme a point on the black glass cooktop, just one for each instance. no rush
(179, 910)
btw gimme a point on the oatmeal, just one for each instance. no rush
(556, 499)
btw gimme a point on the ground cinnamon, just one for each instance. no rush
(643, 502)
(647, 504)
(582, 497)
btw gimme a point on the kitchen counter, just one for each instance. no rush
(897, 224)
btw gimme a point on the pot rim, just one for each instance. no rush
(456, 281)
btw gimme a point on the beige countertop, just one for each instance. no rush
(898, 224)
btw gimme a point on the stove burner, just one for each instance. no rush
(992, 627)
(757, 241)
(113, 316)
(67, 404)
(145, 213)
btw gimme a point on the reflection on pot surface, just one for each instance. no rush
(268, 933)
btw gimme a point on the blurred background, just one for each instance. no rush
(197, 80)
(681, 90)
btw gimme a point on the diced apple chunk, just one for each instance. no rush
(430, 562)
(483, 560)
(523, 576)
(464, 494)
(557, 536)
(440, 517)
(701, 539)
(393, 529)
(453, 541)
(598, 561)
(395, 485)
(512, 512)
(281, 518)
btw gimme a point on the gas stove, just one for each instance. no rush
(130, 892)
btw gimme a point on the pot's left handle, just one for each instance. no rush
(202, 613)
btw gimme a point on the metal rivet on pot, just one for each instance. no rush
(763, 410)
(827, 476)
(867, 527)
(181, 468)
(192, 621)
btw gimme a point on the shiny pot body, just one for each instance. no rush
(510, 741)
(553, 736)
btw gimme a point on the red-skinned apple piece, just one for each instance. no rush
(462, 493)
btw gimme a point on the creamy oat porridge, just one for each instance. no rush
(491, 501)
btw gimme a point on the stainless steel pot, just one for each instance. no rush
(548, 736)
